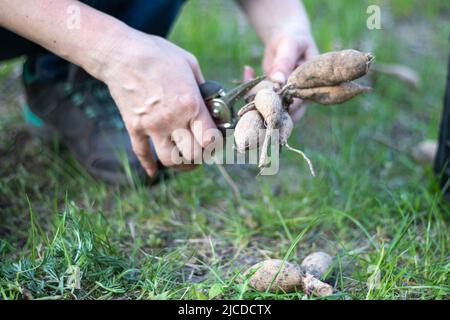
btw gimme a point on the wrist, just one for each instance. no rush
(101, 48)
(288, 30)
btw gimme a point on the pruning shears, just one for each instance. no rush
(221, 103)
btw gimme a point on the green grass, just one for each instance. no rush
(64, 235)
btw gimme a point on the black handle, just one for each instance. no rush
(210, 90)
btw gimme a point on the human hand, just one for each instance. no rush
(284, 52)
(156, 87)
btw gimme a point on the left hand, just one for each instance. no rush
(284, 52)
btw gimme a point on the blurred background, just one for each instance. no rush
(372, 206)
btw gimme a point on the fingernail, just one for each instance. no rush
(278, 77)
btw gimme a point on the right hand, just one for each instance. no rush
(156, 87)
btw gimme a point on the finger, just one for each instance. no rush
(249, 74)
(299, 112)
(141, 148)
(188, 146)
(195, 66)
(201, 123)
(285, 60)
(167, 152)
(268, 60)
(295, 106)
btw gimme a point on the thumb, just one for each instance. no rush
(285, 61)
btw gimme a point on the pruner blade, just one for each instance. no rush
(239, 92)
(221, 104)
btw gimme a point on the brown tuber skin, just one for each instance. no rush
(287, 125)
(275, 275)
(285, 276)
(330, 69)
(330, 95)
(249, 131)
(265, 84)
(324, 79)
(317, 264)
(313, 286)
(269, 104)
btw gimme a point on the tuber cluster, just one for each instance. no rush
(277, 275)
(325, 79)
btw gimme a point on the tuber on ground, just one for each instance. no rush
(313, 286)
(425, 152)
(280, 276)
(317, 264)
(275, 275)
(324, 79)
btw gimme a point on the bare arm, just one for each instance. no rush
(270, 17)
(139, 69)
(47, 23)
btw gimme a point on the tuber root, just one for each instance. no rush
(330, 95)
(313, 286)
(330, 69)
(269, 104)
(247, 108)
(317, 264)
(287, 125)
(265, 84)
(249, 131)
(277, 275)
(250, 97)
(325, 79)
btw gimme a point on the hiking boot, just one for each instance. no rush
(81, 111)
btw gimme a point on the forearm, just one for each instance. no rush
(270, 17)
(47, 23)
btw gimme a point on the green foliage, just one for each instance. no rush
(64, 235)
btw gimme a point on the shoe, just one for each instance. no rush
(81, 111)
